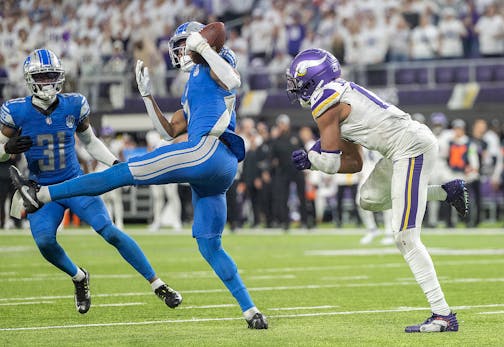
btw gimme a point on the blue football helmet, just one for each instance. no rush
(308, 71)
(176, 45)
(43, 73)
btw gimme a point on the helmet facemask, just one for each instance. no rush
(45, 85)
(176, 46)
(44, 74)
(299, 91)
(179, 58)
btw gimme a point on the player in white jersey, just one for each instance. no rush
(112, 199)
(168, 213)
(348, 115)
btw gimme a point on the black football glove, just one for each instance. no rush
(18, 144)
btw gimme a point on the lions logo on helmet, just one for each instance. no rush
(176, 45)
(43, 74)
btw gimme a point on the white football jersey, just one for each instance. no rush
(373, 123)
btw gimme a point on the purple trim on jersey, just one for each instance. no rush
(325, 94)
(411, 193)
(337, 151)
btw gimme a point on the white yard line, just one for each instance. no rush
(300, 308)
(120, 304)
(197, 320)
(264, 232)
(205, 306)
(492, 312)
(26, 303)
(204, 274)
(271, 288)
(386, 251)
(382, 265)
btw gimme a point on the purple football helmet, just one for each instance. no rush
(310, 69)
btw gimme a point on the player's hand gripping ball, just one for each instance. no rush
(214, 34)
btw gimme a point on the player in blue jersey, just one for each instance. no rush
(42, 126)
(207, 160)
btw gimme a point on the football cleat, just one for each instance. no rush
(258, 321)
(435, 324)
(457, 196)
(27, 188)
(171, 297)
(82, 294)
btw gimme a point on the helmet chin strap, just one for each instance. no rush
(43, 103)
(186, 63)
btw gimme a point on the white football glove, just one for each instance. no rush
(195, 42)
(142, 78)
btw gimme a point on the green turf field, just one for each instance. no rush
(317, 289)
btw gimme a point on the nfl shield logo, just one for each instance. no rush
(70, 121)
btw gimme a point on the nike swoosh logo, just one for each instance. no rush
(26, 195)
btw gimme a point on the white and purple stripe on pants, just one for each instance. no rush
(408, 219)
(409, 190)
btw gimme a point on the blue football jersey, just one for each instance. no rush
(52, 158)
(210, 109)
(204, 102)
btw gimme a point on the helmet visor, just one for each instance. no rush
(46, 77)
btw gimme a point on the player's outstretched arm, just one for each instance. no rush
(168, 129)
(93, 145)
(222, 72)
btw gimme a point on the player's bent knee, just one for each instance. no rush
(370, 205)
(46, 243)
(408, 240)
(208, 247)
(110, 233)
(100, 221)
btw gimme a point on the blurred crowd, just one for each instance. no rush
(269, 192)
(272, 192)
(104, 37)
(96, 37)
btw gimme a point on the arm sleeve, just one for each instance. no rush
(151, 111)
(6, 117)
(224, 71)
(84, 109)
(95, 147)
(328, 162)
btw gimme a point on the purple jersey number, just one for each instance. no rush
(370, 96)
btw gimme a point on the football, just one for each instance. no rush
(215, 34)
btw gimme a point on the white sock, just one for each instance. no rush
(436, 192)
(79, 276)
(250, 313)
(156, 284)
(420, 262)
(422, 267)
(437, 301)
(43, 194)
